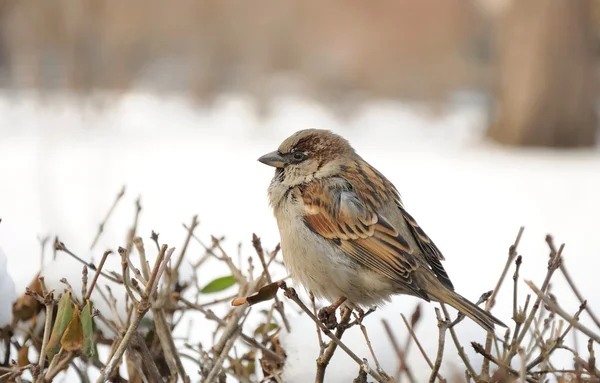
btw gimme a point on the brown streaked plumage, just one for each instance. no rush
(344, 230)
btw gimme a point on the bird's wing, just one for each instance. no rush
(336, 212)
(432, 254)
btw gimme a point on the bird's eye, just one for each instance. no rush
(299, 156)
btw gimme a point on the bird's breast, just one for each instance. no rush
(323, 268)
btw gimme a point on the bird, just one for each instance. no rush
(345, 233)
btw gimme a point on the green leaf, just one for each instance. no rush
(219, 284)
(261, 328)
(63, 318)
(88, 326)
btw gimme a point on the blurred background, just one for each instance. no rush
(482, 112)
(535, 59)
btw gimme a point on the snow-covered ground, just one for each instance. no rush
(63, 160)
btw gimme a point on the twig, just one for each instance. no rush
(480, 350)
(133, 230)
(557, 309)
(363, 329)
(137, 341)
(414, 337)
(186, 243)
(59, 246)
(518, 262)
(233, 328)
(139, 245)
(237, 274)
(214, 372)
(512, 254)
(291, 294)
(49, 303)
(402, 365)
(166, 340)
(43, 241)
(56, 367)
(459, 347)
(225, 343)
(127, 282)
(261, 255)
(108, 214)
(443, 326)
(319, 337)
(141, 310)
(517, 340)
(253, 342)
(558, 341)
(324, 359)
(268, 320)
(567, 275)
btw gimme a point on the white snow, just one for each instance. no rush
(63, 160)
(7, 292)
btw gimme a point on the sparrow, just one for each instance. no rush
(345, 234)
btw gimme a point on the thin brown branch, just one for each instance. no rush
(43, 241)
(211, 316)
(544, 354)
(480, 350)
(512, 254)
(57, 365)
(132, 232)
(138, 343)
(125, 272)
(49, 303)
(140, 311)
(190, 232)
(291, 294)
(363, 329)
(261, 255)
(60, 246)
(553, 264)
(323, 360)
(459, 347)
(443, 326)
(319, 337)
(567, 275)
(108, 214)
(166, 340)
(416, 340)
(565, 315)
(402, 365)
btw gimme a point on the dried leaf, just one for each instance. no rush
(265, 293)
(238, 301)
(27, 307)
(272, 366)
(219, 284)
(63, 317)
(72, 339)
(23, 358)
(88, 327)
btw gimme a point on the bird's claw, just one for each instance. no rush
(327, 316)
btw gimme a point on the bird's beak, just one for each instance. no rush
(273, 159)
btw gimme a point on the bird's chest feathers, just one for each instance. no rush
(304, 252)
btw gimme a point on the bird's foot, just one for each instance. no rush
(360, 313)
(327, 316)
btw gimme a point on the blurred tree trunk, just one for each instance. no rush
(546, 86)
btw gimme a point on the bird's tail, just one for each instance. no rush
(481, 317)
